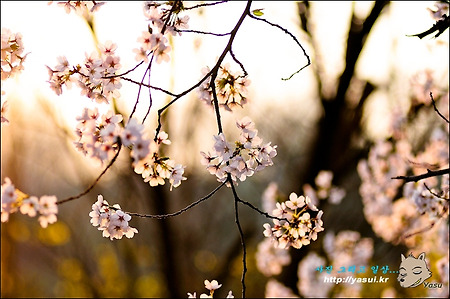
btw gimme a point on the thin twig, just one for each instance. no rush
(205, 4)
(436, 109)
(426, 228)
(261, 212)
(434, 193)
(202, 32)
(293, 37)
(182, 210)
(139, 89)
(238, 62)
(149, 86)
(96, 180)
(150, 104)
(214, 70)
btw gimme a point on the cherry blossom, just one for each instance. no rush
(231, 88)
(269, 259)
(98, 134)
(80, 7)
(111, 220)
(30, 206)
(241, 160)
(48, 210)
(9, 197)
(297, 226)
(12, 56)
(95, 76)
(310, 283)
(14, 200)
(211, 286)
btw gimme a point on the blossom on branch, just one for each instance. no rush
(48, 210)
(98, 135)
(164, 16)
(153, 166)
(9, 197)
(12, 56)
(96, 76)
(14, 200)
(241, 159)
(211, 286)
(111, 220)
(12, 59)
(298, 222)
(231, 88)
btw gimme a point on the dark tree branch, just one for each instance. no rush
(214, 70)
(428, 174)
(436, 109)
(440, 26)
(241, 233)
(96, 180)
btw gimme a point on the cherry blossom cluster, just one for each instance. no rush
(378, 190)
(163, 18)
(324, 189)
(241, 160)
(111, 220)
(98, 134)
(275, 289)
(431, 195)
(389, 217)
(12, 59)
(310, 283)
(298, 222)
(426, 202)
(348, 248)
(149, 162)
(211, 286)
(342, 250)
(440, 8)
(270, 259)
(80, 7)
(12, 56)
(96, 76)
(14, 200)
(231, 88)
(393, 211)
(99, 137)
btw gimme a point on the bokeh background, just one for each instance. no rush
(171, 257)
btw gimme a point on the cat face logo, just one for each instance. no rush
(413, 271)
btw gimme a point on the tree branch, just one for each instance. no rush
(293, 37)
(436, 109)
(236, 219)
(428, 174)
(96, 180)
(180, 211)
